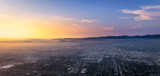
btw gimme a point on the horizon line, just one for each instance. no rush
(25, 39)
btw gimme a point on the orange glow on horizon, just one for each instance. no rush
(12, 31)
(13, 27)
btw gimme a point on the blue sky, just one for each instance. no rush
(102, 17)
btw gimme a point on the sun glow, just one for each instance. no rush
(16, 32)
(19, 25)
(10, 30)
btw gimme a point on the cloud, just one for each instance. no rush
(145, 13)
(62, 18)
(74, 19)
(74, 24)
(88, 20)
(125, 17)
(151, 7)
(108, 28)
(136, 26)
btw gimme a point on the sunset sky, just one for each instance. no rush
(47, 19)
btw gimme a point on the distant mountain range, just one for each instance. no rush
(126, 37)
(154, 36)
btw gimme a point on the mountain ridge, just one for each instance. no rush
(153, 36)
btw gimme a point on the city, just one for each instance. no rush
(107, 57)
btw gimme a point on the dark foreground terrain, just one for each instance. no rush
(105, 57)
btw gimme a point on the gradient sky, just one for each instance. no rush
(46, 19)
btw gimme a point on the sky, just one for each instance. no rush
(49, 19)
